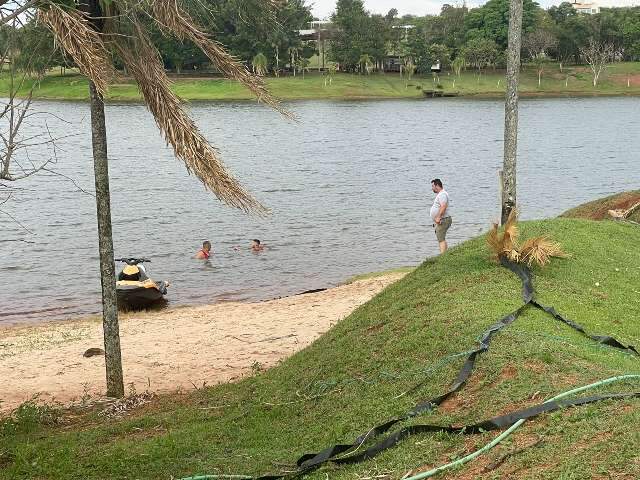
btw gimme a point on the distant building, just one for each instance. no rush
(316, 27)
(592, 8)
(588, 8)
(319, 32)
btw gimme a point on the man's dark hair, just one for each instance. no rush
(256, 240)
(437, 182)
(206, 244)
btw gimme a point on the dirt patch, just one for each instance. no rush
(464, 399)
(599, 209)
(534, 366)
(507, 373)
(633, 79)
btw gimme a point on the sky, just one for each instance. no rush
(324, 8)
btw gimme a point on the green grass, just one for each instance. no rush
(366, 276)
(347, 86)
(348, 381)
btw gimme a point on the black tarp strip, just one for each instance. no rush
(602, 339)
(495, 423)
(525, 277)
(311, 461)
(529, 297)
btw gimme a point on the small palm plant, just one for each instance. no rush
(458, 64)
(365, 63)
(407, 69)
(332, 68)
(259, 64)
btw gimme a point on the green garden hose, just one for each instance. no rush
(471, 456)
(512, 428)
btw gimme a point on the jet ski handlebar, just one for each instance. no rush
(132, 260)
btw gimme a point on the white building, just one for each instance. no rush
(588, 8)
(592, 8)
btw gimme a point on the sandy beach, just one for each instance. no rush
(177, 349)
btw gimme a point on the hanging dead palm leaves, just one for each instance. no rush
(169, 16)
(124, 34)
(143, 62)
(74, 34)
(534, 251)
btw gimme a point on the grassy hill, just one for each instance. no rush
(352, 378)
(619, 79)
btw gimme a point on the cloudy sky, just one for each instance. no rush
(324, 8)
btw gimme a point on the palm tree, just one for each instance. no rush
(92, 32)
(259, 64)
(293, 58)
(332, 68)
(458, 64)
(365, 62)
(511, 111)
(302, 64)
(408, 68)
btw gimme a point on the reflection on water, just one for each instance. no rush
(348, 188)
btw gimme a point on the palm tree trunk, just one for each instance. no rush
(511, 110)
(113, 360)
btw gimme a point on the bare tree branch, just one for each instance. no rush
(16, 12)
(75, 184)
(16, 221)
(597, 54)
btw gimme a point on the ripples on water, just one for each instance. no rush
(348, 188)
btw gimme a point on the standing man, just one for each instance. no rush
(440, 213)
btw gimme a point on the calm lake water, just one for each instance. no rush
(348, 187)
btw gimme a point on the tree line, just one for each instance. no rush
(477, 37)
(268, 41)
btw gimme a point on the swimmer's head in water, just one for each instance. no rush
(206, 245)
(256, 241)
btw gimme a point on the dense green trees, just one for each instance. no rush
(31, 48)
(358, 33)
(491, 21)
(247, 28)
(479, 34)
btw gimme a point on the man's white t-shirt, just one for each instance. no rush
(442, 197)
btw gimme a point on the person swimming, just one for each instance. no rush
(205, 252)
(256, 246)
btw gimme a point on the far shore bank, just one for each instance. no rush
(621, 79)
(468, 96)
(175, 349)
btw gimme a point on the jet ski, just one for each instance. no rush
(134, 288)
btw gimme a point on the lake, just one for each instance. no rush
(348, 188)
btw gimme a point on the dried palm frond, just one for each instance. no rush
(540, 250)
(73, 32)
(143, 62)
(511, 227)
(513, 255)
(494, 240)
(169, 16)
(505, 244)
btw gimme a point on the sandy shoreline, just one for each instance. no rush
(173, 349)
